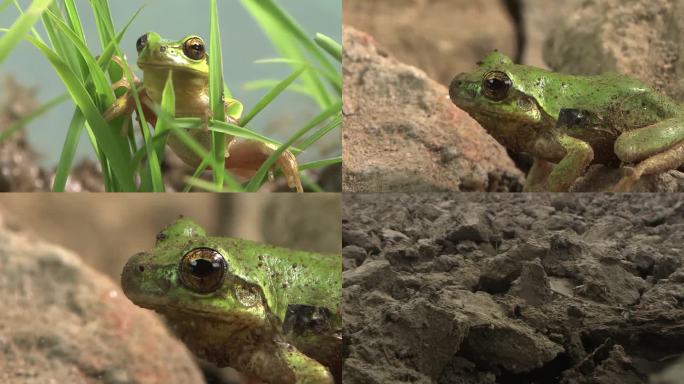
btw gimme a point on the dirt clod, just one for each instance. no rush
(566, 289)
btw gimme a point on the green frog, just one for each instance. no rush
(188, 62)
(271, 313)
(569, 122)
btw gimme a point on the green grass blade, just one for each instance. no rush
(273, 16)
(271, 95)
(113, 146)
(104, 90)
(179, 128)
(336, 122)
(243, 132)
(198, 171)
(21, 27)
(103, 21)
(258, 85)
(68, 151)
(310, 185)
(333, 78)
(329, 45)
(21, 123)
(320, 163)
(287, 37)
(255, 182)
(60, 44)
(168, 105)
(216, 85)
(4, 5)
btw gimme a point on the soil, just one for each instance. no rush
(500, 288)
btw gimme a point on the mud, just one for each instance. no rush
(533, 288)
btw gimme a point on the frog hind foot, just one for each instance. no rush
(246, 156)
(669, 159)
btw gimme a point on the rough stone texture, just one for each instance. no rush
(19, 168)
(565, 288)
(640, 38)
(62, 322)
(441, 37)
(401, 132)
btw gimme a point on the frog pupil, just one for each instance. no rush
(141, 43)
(202, 267)
(496, 86)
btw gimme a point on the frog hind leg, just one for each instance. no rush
(655, 149)
(246, 156)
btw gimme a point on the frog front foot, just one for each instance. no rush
(281, 363)
(246, 158)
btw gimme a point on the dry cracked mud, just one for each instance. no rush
(532, 288)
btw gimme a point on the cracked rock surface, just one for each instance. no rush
(533, 288)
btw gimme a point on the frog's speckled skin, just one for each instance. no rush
(240, 324)
(627, 122)
(157, 58)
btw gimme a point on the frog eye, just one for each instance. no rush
(194, 48)
(202, 270)
(141, 43)
(495, 85)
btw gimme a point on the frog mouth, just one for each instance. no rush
(168, 66)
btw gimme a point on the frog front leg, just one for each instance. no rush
(654, 149)
(575, 156)
(125, 105)
(537, 176)
(281, 363)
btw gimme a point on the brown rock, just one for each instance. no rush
(62, 322)
(441, 37)
(638, 38)
(401, 132)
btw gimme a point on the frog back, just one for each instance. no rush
(287, 277)
(621, 100)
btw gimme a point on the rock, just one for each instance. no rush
(421, 33)
(402, 133)
(532, 285)
(674, 374)
(19, 167)
(497, 342)
(639, 38)
(62, 322)
(499, 271)
(354, 252)
(392, 236)
(368, 241)
(375, 273)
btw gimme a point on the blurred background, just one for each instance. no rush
(243, 43)
(106, 229)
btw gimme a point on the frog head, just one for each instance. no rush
(498, 90)
(186, 54)
(189, 275)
